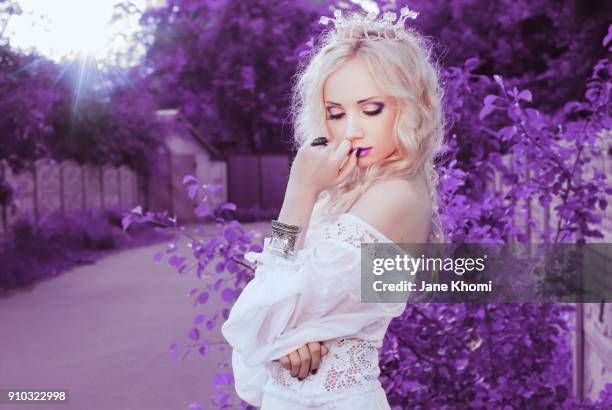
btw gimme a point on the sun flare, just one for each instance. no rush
(66, 28)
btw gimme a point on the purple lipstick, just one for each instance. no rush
(361, 151)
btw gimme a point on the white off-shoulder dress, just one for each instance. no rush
(317, 297)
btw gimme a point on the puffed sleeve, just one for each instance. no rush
(314, 298)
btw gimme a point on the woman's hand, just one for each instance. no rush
(321, 167)
(304, 360)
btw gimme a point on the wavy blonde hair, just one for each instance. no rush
(404, 70)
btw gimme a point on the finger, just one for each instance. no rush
(324, 349)
(294, 359)
(315, 356)
(285, 362)
(345, 161)
(341, 152)
(342, 148)
(350, 165)
(305, 358)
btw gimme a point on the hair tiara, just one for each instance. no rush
(373, 29)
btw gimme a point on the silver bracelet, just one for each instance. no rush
(284, 240)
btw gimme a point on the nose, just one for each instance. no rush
(353, 130)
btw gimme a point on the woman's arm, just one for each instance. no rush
(406, 219)
(314, 170)
(297, 210)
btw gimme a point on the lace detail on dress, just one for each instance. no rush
(353, 363)
(348, 230)
(279, 376)
(351, 366)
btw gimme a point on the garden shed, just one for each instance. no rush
(186, 152)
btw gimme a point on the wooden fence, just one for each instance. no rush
(48, 187)
(257, 180)
(250, 181)
(592, 340)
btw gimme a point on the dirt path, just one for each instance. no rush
(102, 331)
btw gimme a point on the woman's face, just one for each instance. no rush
(357, 110)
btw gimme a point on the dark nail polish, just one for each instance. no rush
(300, 378)
(314, 371)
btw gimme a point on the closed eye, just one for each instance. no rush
(375, 112)
(369, 113)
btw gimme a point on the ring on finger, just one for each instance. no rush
(319, 141)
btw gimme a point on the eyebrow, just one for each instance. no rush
(358, 102)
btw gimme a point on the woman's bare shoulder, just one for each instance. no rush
(400, 209)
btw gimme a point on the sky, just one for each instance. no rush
(59, 28)
(77, 28)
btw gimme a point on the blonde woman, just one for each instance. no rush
(368, 124)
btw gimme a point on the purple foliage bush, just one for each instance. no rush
(207, 56)
(453, 356)
(505, 356)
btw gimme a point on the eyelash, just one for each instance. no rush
(370, 113)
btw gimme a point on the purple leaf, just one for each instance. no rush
(192, 190)
(232, 266)
(224, 378)
(594, 233)
(126, 222)
(203, 298)
(471, 63)
(203, 350)
(490, 99)
(608, 37)
(603, 204)
(202, 211)
(210, 324)
(228, 205)
(174, 260)
(256, 248)
(189, 178)
(194, 333)
(525, 95)
(227, 295)
(486, 110)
